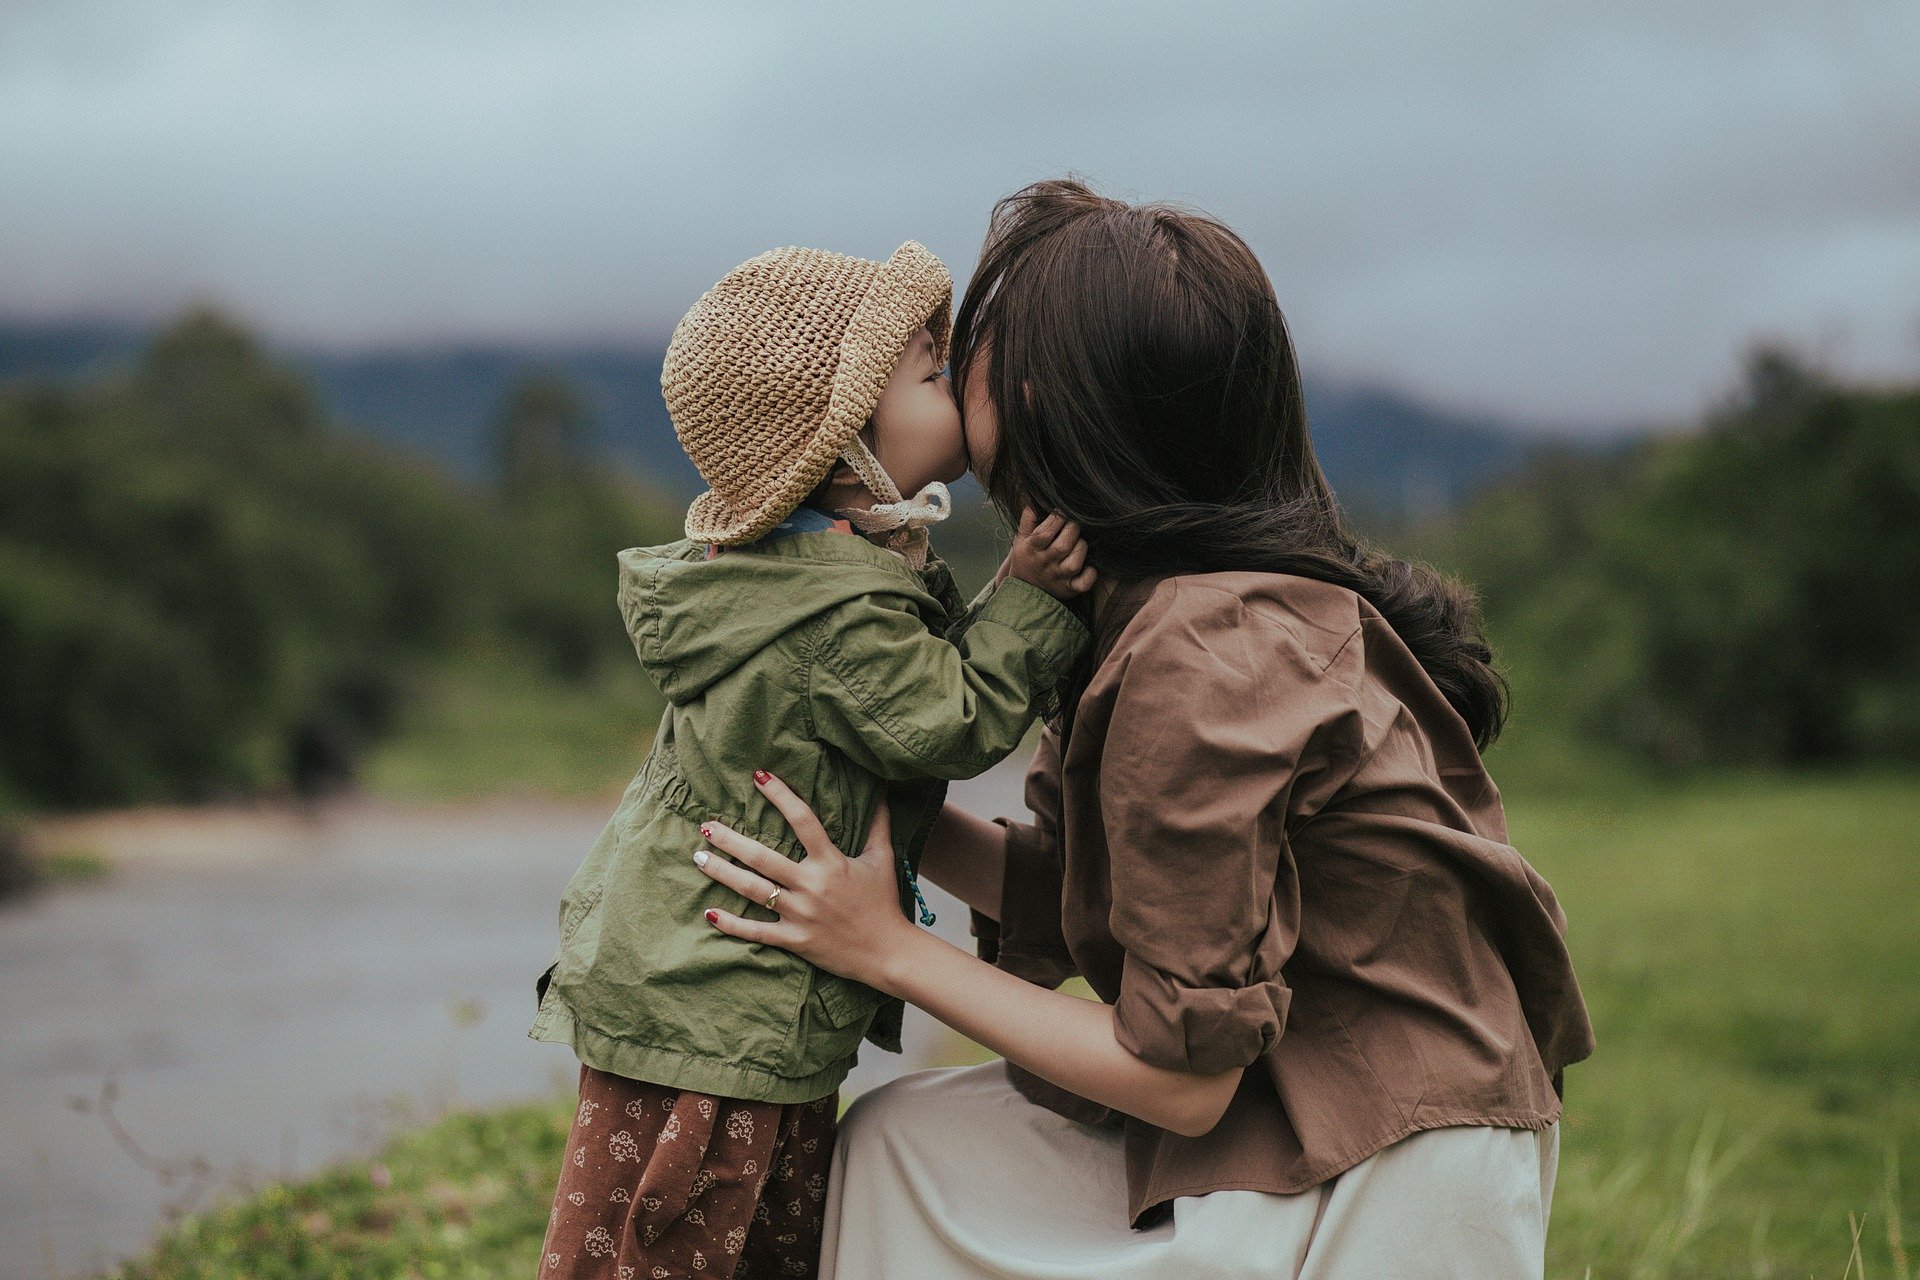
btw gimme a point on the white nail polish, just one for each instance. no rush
(699, 857)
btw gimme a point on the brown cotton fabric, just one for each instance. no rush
(662, 1182)
(1266, 839)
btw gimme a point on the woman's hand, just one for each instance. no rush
(842, 914)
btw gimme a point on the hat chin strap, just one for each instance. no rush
(906, 519)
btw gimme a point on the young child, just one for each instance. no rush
(804, 628)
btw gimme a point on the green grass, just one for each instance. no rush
(494, 726)
(74, 866)
(25, 870)
(1748, 949)
(1747, 946)
(465, 1199)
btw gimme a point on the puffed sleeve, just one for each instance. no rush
(1217, 730)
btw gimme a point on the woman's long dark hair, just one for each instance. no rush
(1146, 387)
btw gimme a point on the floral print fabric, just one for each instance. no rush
(660, 1182)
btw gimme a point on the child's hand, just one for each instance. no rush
(1050, 555)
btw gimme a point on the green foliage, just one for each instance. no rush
(541, 435)
(556, 572)
(1737, 594)
(75, 866)
(204, 591)
(496, 725)
(973, 540)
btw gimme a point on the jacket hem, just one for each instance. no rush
(676, 1069)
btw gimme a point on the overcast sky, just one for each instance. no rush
(1570, 214)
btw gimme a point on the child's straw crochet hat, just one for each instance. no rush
(771, 375)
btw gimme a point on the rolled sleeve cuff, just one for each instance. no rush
(1201, 1030)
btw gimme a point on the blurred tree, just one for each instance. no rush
(207, 377)
(1739, 593)
(204, 591)
(566, 521)
(541, 435)
(560, 582)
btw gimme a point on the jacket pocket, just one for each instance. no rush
(843, 1002)
(576, 910)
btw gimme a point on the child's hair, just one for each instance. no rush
(818, 498)
(1146, 387)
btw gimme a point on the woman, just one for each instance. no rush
(1335, 1002)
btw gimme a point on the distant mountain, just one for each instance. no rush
(442, 402)
(1385, 451)
(65, 350)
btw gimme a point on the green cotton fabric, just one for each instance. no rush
(829, 661)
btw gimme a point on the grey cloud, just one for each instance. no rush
(1568, 213)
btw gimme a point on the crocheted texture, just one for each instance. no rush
(771, 375)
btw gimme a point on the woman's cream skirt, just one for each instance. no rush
(952, 1175)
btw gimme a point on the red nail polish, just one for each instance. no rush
(713, 917)
(706, 831)
(762, 777)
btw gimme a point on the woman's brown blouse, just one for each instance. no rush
(1265, 838)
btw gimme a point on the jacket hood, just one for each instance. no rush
(694, 620)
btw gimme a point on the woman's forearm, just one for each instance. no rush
(1060, 1038)
(967, 856)
(840, 916)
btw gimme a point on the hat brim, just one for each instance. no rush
(911, 290)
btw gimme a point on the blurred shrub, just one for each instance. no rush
(206, 591)
(1742, 593)
(557, 575)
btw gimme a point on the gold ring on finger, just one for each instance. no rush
(773, 898)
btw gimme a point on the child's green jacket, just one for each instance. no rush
(828, 661)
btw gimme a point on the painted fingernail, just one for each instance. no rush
(713, 917)
(706, 831)
(699, 857)
(762, 777)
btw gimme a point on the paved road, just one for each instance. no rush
(263, 991)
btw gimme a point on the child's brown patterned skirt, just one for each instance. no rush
(662, 1182)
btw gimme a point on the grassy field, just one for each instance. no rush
(1749, 949)
(1747, 945)
(492, 727)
